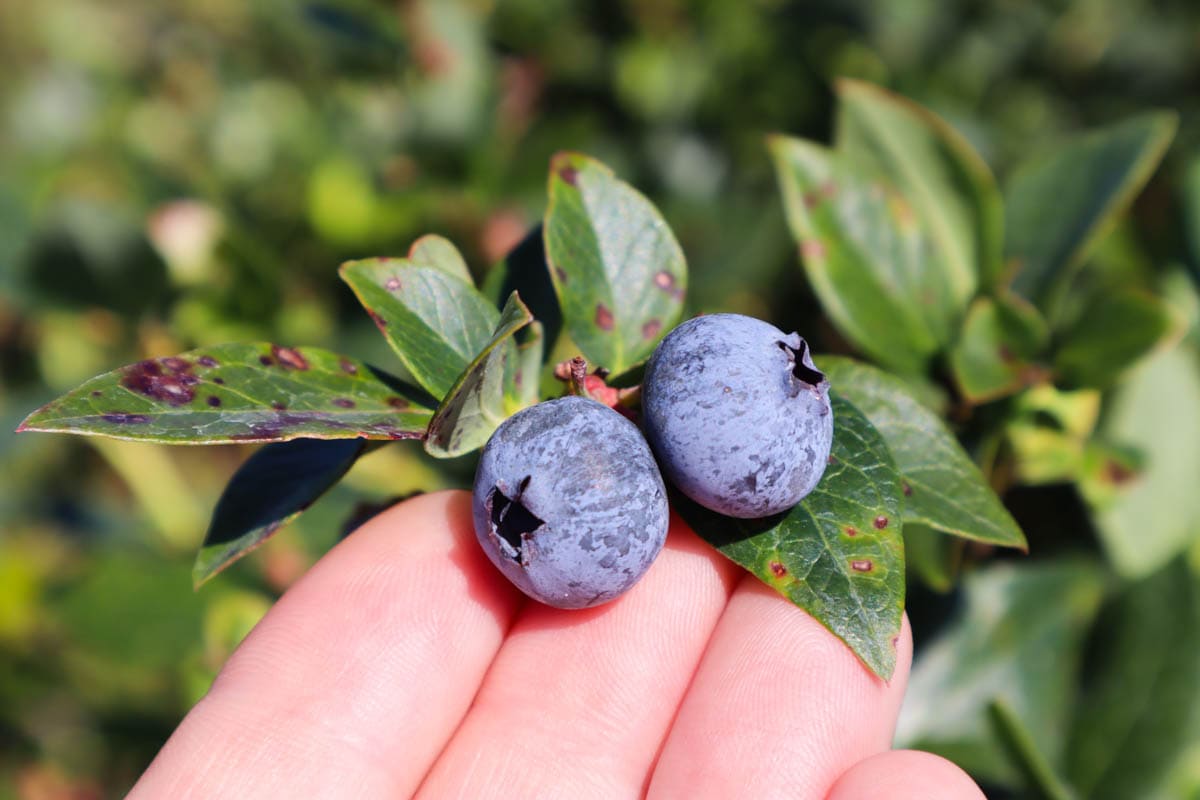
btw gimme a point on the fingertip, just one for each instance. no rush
(905, 775)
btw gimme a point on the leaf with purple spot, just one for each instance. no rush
(839, 554)
(475, 406)
(427, 308)
(867, 255)
(268, 491)
(617, 269)
(249, 392)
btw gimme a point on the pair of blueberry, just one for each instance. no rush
(569, 502)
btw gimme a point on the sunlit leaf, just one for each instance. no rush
(937, 170)
(1157, 411)
(252, 392)
(943, 487)
(267, 492)
(865, 255)
(434, 319)
(839, 554)
(475, 406)
(619, 274)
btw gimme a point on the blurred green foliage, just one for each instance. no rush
(189, 173)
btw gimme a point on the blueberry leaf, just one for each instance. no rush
(996, 350)
(250, 392)
(618, 272)
(475, 405)
(866, 256)
(839, 554)
(522, 370)
(1112, 332)
(427, 309)
(269, 490)
(437, 252)
(1059, 203)
(1135, 733)
(936, 169)
(1018, 640)
(1156, 515)
(943, 487)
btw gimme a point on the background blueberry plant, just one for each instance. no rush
(1023, 348)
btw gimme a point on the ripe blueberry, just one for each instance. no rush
(737, 414)
(569, 503)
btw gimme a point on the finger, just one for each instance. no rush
(581, 700)
(905, 775)
(353, 682)
(779, 706)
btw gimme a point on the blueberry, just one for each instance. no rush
(737, 414)
(569, 503)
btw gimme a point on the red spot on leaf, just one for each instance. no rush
(213, 400)
(664, 280)
(219, 381)
(393, 284)
(881, 522)
(266, 361)
(907, 489)
(348, 367)
(1118, 473)
(604, 317)
(864, 565)
(207, 361)
(147, 378)
(343, 402)
(569, 175)
(177, 364)
(379, 321)
(851, 530)
(289, 357)
(778, 570)
(278, 406)
(561, 274)
(397, 402)
(651, 329)
(97, 393)
(812, 249)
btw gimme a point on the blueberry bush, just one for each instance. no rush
(992, 266)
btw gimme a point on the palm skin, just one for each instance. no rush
(403, 665)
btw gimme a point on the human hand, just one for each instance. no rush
(403, 664)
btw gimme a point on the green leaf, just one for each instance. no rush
(475, 406)
(1041, 778)
(437, 252)
(1017, 640)
(932, 556)
(995, 352)
(619, 274)
(267, 492)
(434, 319)
(1113, 331)
(1156, 410)
(1137, 731)
(865, 256)
(522, 370)
(944, 488)
(249, 392)
(838, 554)
(1058, 204)
(937, 170)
